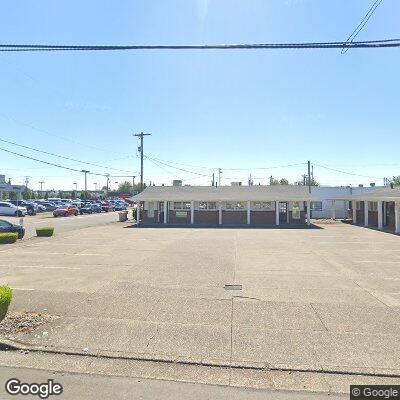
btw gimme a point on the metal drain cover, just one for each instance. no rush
(233, 287)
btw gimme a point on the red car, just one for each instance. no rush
(65, 211)
(106, 206)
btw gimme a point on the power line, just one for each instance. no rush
(347, 173)
(30, 126)
(59, 156)
(265, 46)
(361, 25)
(52, 164)
(180, 169)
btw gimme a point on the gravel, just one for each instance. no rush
(16, 322)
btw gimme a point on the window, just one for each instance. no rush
(235, 206)
(181, 205)
(372, 206)
(316, 205)
(358, 205)
(204, 205)
(5, 224)
(264, 205)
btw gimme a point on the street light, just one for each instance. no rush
(76, 185)
(95, 186)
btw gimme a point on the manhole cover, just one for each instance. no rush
(233, 287)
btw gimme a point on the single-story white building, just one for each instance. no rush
(379, 208)
(224, 205)
(322, 207)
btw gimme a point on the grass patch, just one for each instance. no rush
(8, 237)
(45, 231)
(5, 300)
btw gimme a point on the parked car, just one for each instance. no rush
(119, 206)
(65, 211)
(49, 205)
(106, 206)
(7, 208)
(31, 208)
(40, 206)
(6, 226)
(96, 208)
(87, 208)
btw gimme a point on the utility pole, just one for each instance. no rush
(108, 182)
(213, 179)
(141, 135)
(41, 188)
(219, 176)
(309, 176)
(85, 172)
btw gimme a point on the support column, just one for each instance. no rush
(333, 210)
(380, 216)
(397, 217)
(384, 213)
(308, 212)
(192, 212)
(165, 211)
(138, 212)
(288, 212)
(354, 207)
(248, 213)
(366, 223)
(220, 213)
(277, 213)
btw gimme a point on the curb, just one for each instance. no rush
(14, 345)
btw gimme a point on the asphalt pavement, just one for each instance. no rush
(61, 224)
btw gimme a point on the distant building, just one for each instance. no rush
(8, 188)
(322, 208)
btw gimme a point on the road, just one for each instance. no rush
(85, 386)
(62, 224)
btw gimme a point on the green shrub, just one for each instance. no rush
(45, 231)
(8, 237)
(5, 300)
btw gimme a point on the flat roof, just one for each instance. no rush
(225, 193)
(381, 194)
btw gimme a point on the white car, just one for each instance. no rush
(7, 208)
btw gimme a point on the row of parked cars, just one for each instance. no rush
(89, 207)
(60, 207)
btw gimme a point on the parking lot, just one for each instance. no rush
(322, 300)
(63, 224)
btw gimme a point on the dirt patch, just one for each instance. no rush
(17, 322)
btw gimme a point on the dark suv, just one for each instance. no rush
(31, 208)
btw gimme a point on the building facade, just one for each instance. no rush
(225, 205)
(379, 208)
(322, 207)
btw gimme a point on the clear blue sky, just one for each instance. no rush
(228, 109)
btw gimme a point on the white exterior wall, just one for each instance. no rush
(323, 193)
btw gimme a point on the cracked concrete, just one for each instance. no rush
(312, 300)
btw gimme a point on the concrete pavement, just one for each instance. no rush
(323, 300)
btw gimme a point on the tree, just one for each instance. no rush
(282, 181)
(28, 194)
(73, 195)
(125, 187)
(396, 180)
